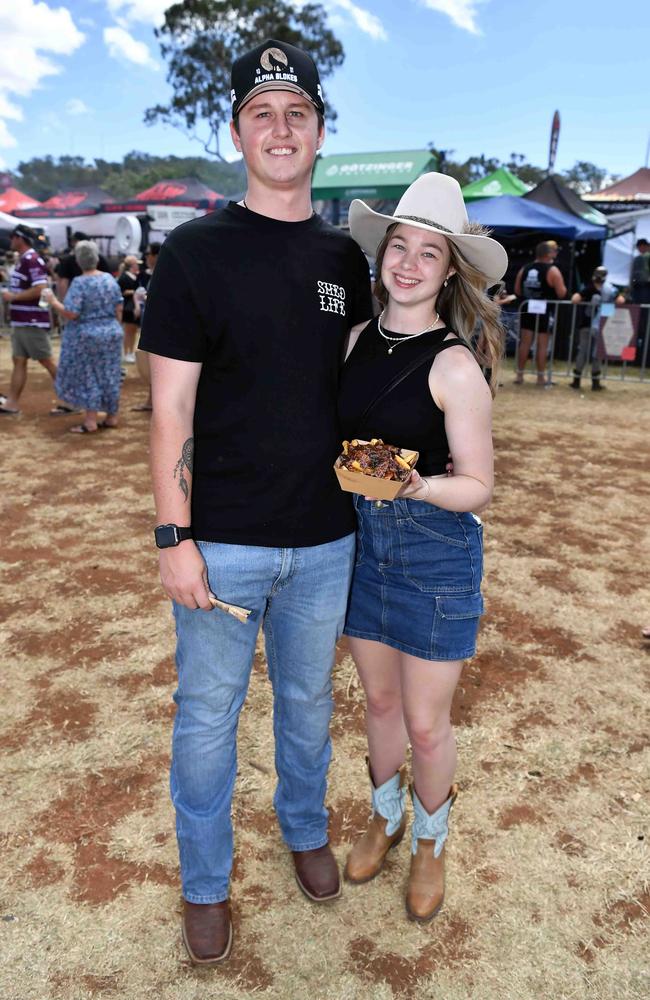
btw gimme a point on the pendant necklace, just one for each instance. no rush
(394, 341)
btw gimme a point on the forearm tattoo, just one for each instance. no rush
(186, 461)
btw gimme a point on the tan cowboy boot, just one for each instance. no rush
(426, 885)
(385, 829)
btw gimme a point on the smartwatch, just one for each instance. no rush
(167, 535)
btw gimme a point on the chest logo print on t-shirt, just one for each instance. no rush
(332, 298)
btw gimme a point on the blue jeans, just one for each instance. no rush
(299, 596)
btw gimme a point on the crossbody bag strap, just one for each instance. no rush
(419, 362)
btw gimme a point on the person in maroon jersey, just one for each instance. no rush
(30, 323)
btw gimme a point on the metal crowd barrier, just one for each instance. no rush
(564, 320)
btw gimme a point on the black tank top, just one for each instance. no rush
(534, 284)
(407, 416)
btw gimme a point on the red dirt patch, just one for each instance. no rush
(490, 675)
(348, 819)
(100, 984)
(556, 579)
(534, 720)
(349, 715)
(164, 672)
(43, 871)
(487, 876)
(519, 814)
(625, 912)
(586, 950)
(403, 975)
(569, 844)
(68, 713)
(584, 772)
(164, 711)
(100, 801)
(523, 629)
(73, 644)
(99, 878)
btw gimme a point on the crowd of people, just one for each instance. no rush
(97, 314)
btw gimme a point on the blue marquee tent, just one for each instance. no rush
(509, 214)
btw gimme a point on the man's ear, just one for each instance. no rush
(235, 137)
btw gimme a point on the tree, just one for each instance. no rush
(201, 39)
(42, 176)
(585, 177)
(526, 172)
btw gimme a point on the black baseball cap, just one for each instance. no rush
(26, 233)
(274, 65)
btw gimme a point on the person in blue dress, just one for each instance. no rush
(88, 375)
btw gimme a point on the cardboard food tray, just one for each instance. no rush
(372, 486)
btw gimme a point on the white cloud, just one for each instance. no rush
(145, 11)
(75, 106)
(462, 13)
(28, 29)
(153, 12)
(121, 44)
(367, 22)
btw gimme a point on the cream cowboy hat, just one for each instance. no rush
(433, 202)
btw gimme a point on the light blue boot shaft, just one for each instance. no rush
(428, 826)
(389, 800)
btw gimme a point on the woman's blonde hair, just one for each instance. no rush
(463, 303)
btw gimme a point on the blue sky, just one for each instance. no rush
(475, 76)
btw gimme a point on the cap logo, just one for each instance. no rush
(273, 59)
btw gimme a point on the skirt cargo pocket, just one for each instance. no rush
(455, 625)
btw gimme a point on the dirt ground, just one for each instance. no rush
(548, 874)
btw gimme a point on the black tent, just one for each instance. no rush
(553, 193)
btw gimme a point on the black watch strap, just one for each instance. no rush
(168, 535)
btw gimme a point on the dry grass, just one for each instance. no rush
(548, 860)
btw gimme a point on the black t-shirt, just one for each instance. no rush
(265, 306)
(68, 267)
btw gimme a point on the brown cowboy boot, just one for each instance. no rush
(385, 829)
(426, 885)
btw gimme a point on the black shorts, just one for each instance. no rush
(537, 322)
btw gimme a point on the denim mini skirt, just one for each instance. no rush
(416, 584)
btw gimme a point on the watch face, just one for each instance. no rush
(165, 536)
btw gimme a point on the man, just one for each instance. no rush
(640, 278)
(30, 324)
(540, 280)
(246, 318)
(594, 293)
(68, 268)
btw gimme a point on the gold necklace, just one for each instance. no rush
(394, 341)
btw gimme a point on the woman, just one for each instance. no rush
(88, 375)
(129, 281)
(411, 379)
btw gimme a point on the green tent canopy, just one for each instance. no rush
(498, 183)
(369, 175)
